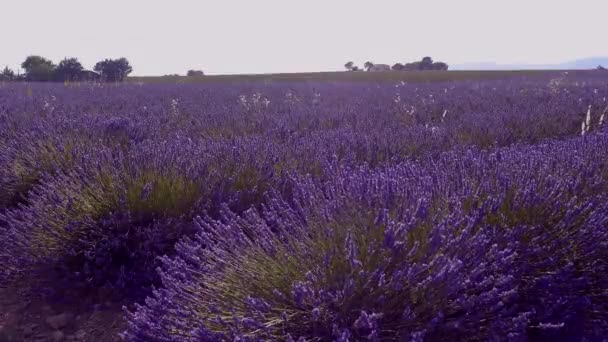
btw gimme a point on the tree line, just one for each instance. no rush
(40, 69)
(425, 63)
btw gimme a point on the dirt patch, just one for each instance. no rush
(47, 308)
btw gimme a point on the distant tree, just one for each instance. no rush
(355, 68)
(192, 73)
(33, 61)
(397, 67)
(114, 70)
(124, 68)
(349, 66)
(412, 66)
(106, 69)
(439, 66)
(368, 65)
(38, 69)
(600, 67)
(69, 69)
(7, 74)
(426, 63)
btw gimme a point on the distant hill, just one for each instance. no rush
(585, 63)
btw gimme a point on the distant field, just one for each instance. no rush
(411, 76)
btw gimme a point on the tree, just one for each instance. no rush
(38, 69)
(33, 61)
(439, 66)
(426, 63)
(368, 65)
(114, 70)
(397, 67)
(412, 66)
(349, 65)
(192, 73)
(7, 74)
(68, 69)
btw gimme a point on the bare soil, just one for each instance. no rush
(44, 307)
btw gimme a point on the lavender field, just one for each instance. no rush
(466, 210)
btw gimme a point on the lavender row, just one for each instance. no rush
(41, 125)
(501, 245)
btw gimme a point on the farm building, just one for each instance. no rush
(89, 75)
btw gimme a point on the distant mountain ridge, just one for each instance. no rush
(585, 63)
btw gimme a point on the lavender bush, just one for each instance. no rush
(110, 217)
(411, 252)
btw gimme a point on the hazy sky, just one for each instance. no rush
(247, 36)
